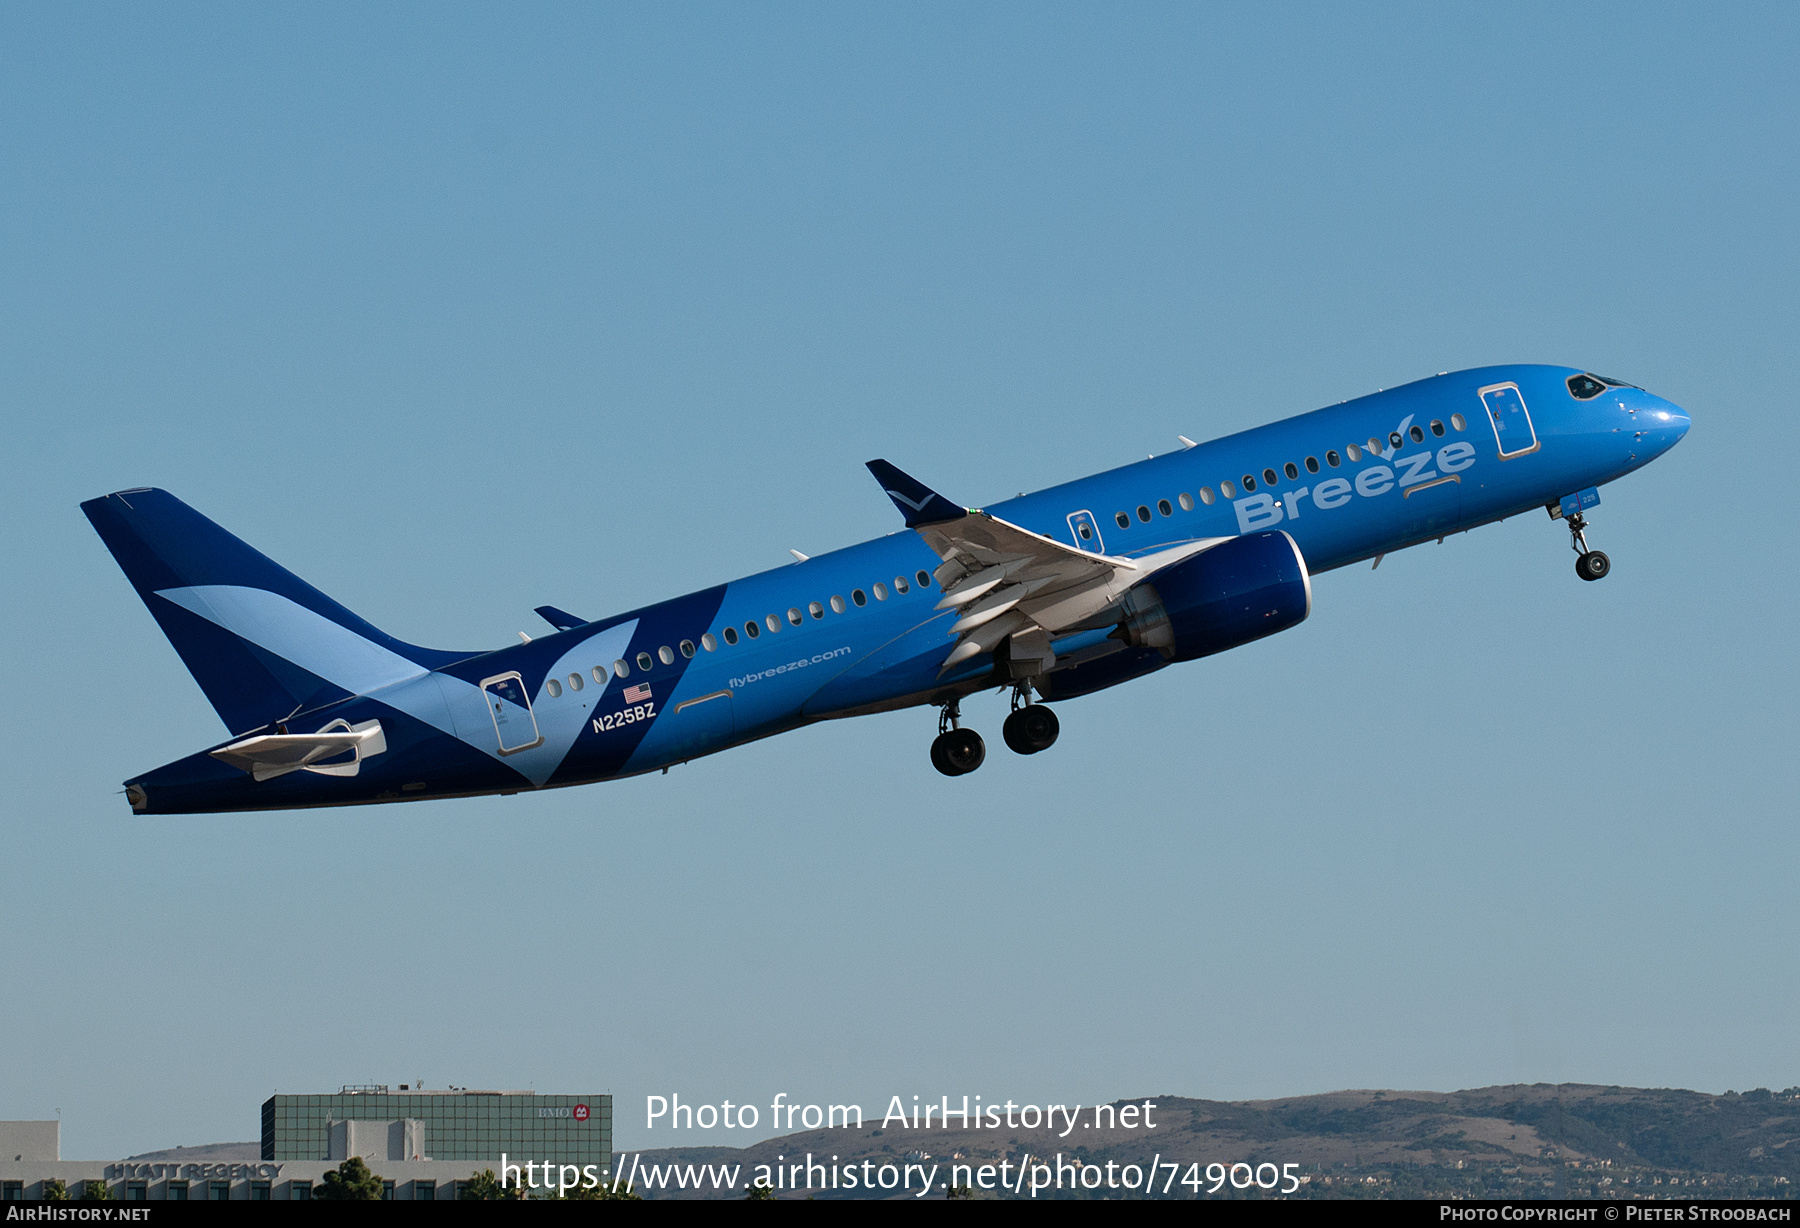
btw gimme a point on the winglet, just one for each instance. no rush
(562, 620)
(920, 504)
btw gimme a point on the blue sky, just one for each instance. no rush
(459, 311)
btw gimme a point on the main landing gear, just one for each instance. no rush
(956, 751)
(1029, 729)
(1589, 564)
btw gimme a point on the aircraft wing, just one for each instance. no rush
(1010, 583)
(267, 756)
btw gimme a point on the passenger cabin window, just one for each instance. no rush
(1162, 505)
(709, 643)
(643, 661)
(774, 623)
(552, 687)
(1143, 513)
(794, 615)
(880, 591)
(666, 655)
(1395, 438)
(900, 585)
(815, 609)
(1123, 519)
(1229, 490)
(1354, 453)
(837, 604)
(622, 668)
(1206, 495)
(730, 637)
(1249, 482)
(1459, 422)
(924, 578)
(687, 648)
(576, 682)
(1585, 387)
(1437, 428)
(1418, 434)
(856, 595)
(751, 629)
(1331, 458)
(1270, 477)
(1312, 464)
(1187, 501)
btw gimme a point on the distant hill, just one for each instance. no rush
(1538, 1140)
(1558, 1140)
(207, 1153)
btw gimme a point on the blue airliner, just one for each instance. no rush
(1053, 595)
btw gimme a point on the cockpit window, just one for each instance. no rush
(1613, 383)
(1585, 387)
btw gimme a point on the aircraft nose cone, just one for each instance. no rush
(1670, 421)
(1659, 424)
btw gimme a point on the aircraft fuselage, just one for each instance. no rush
(859, 630)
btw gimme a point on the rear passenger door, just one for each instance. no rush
(515, 725)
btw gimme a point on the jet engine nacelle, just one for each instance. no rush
(1239, 591)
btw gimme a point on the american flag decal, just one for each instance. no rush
(637, 694)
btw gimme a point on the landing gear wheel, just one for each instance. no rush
(1593, 565)
(1589, 564)
(1031, 729)
(958, 752)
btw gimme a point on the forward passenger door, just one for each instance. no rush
(1512, 422)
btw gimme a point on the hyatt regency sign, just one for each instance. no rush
(199, 1172)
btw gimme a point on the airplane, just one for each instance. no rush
(1051, 595)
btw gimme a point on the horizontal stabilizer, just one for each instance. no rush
(562, 620)
(917, 502)
(270, 755)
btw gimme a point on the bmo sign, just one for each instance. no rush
(579, 1112)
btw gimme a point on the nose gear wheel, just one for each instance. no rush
(1589, 564)
(1593, 565)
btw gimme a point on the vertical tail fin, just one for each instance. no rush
(261, 642)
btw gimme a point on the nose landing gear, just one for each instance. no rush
(956, 751)
(1589, 564)
(1031, 727)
